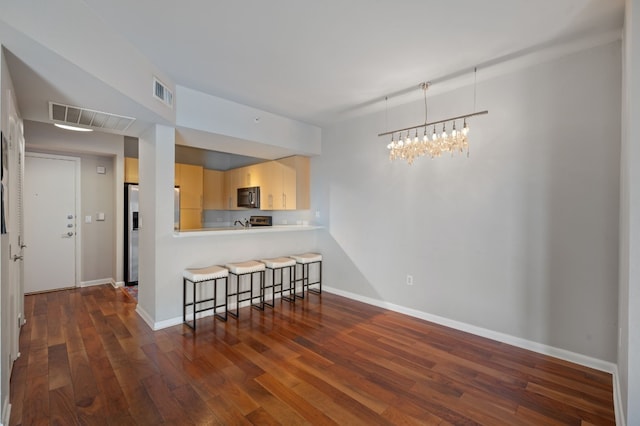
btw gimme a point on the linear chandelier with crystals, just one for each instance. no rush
(409, 144)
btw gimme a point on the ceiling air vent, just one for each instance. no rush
(83, 117)
(162, 92)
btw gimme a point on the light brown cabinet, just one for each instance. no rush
(231, 184)
(214, 190)
(190, 219)
(284, 185)
(130, 170)
(278, 187)
(299, 186)
(190, 179)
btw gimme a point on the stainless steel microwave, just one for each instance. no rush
(249, 197)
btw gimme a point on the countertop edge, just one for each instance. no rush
(212, 232)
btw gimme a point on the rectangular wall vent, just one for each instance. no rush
(83, 117)
(162, 92)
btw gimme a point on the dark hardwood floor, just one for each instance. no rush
(87, 358)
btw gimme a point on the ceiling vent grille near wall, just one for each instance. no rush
(83, 117)
(162, 92)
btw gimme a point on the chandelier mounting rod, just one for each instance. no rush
(460, 117)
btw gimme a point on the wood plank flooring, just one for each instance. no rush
(87, 358)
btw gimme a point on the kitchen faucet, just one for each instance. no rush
(239, 222)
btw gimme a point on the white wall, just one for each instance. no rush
(232, 127)
(629, 294)
(520, 238)
(102, 253)
(5, 336)
(98, 194)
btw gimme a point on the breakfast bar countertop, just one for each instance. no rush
(229, 230)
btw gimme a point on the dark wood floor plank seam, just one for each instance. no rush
(88, 358)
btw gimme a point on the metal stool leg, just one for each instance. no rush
(319, 282)
(260, 304)
(232, 294)
(215, 303)
(291, 289)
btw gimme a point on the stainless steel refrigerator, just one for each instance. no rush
(131, 226)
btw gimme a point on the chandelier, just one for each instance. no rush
(429, 138)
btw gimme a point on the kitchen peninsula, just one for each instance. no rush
(208, 232)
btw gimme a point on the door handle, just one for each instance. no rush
(67, 235)
(16, 257)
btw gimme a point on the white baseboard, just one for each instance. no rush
(178, 320)
(117, 284)
(617, 399)
(96, 282)
(166, 323)
(6, 411)
(145, 316)
(564, 354)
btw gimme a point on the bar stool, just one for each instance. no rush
(280, 264)
(304, 260)
(239, 269)
(203, 275)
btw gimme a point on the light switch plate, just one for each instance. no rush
(87, 219)
(100, 217)
(101, 170)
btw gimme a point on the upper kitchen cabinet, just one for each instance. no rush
(190, 179)
(130, 170)
(284, 185)
(278, 187)
(250, 175)
(298, 187)
(241, 177)
(214, 190)
(232, 181)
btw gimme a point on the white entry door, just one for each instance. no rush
(50, 210)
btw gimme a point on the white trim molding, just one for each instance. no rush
(6, 411)
(483, 332)
(617, 399)
(96, 282)
(155, 326)
(146, 317)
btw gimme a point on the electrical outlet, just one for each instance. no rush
(317, 214)
(409, 279)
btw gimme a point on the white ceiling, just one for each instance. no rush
(314, 60)
(311, 60)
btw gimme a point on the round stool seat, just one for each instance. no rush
(278, 262)
(307, 257)
(205, 274)
(247, 267)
